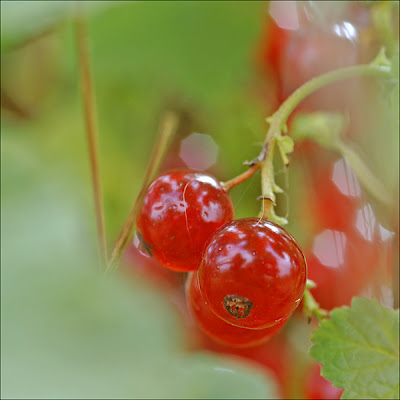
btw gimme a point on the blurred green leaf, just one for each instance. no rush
(321, 126)
(21, 20)
(205, 376)
(69, 330)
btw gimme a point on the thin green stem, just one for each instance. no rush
(168, 127)
(279, 118)
(267, 181)
(311, 307)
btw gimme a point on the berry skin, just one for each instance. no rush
(181, 210)
(253, 273)
(218, 329)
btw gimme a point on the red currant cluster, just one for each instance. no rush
(247, 276)
(251, 273)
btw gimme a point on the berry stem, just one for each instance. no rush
(91, 130)
(228, 185)
(311, 306)
(267, 181)
(168, 127)
(378, 68)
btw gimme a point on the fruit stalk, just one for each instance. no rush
(311, 306)
(228, 185)
(378, 68)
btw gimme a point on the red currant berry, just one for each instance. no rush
(317, 387)
(253, 273)
(218, 329)
(180, 211)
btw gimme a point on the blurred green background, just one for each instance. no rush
(68, 331)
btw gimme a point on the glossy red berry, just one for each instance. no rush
(181, 210)
(253, 273)
(218, 329)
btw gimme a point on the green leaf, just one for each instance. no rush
(359, 350)
(71, 331)
(205, 376)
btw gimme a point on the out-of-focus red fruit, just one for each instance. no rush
(349, 249)
(341, 266)
(334, 195)
(317, 387)
(303, 40)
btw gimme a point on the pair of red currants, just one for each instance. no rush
(251, 273)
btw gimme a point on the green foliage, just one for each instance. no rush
(68, 330)
(359, 350)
